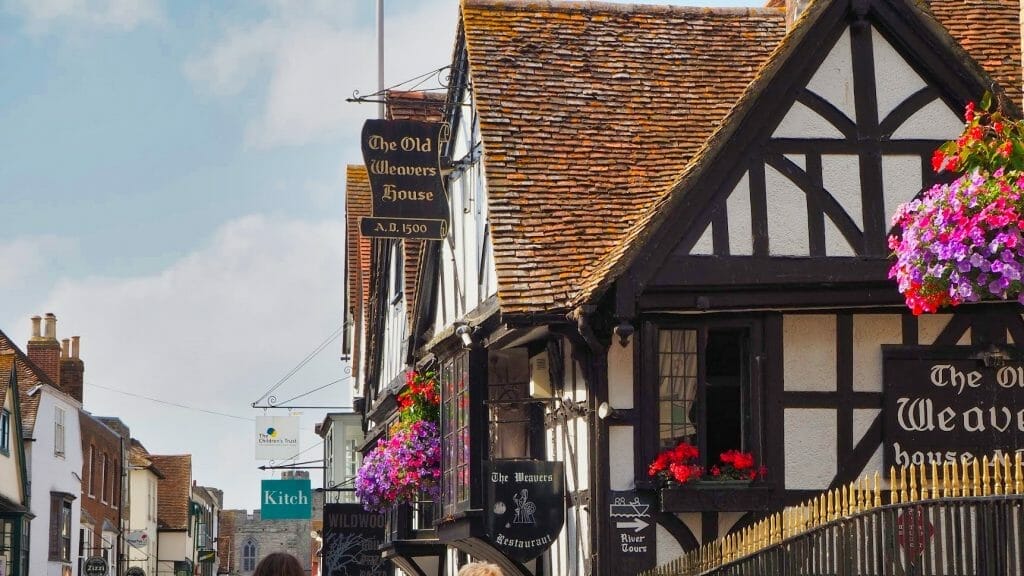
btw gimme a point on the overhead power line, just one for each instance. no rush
(169, 403)
(302, 363)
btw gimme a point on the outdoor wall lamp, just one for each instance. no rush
(465, 333)
(605, 411)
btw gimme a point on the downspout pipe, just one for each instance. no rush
(598, 353)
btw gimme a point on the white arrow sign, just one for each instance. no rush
(636, 524)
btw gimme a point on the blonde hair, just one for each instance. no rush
(480, 569)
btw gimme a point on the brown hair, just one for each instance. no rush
(279, 564)
(480, 569)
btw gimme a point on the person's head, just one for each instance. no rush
(279, 564)
(480, 569)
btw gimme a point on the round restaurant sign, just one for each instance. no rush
(95, 566)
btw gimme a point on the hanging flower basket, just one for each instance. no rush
(401, 467)
(962, 241)
(407, 465)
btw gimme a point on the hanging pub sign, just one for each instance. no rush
(525, 506)
(289, 499)
(351, 538)
(950, 403)
(277, 437)
(403, 161)
(634, 546)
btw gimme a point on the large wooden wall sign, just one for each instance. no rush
(352, 537)
(946, 403)
(525, 506)
(403, 161)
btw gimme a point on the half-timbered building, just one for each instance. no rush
(669, 224)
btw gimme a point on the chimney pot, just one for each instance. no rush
(74, 347)
(36, 333)
(65, 349)
(50, 326)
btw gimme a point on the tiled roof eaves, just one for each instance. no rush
(594, 108)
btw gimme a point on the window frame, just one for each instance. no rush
(92, 471)
(59, 431)
(456, 495)
(61, 530)
(249, 560)
(103, 474)
(648, 393)
(5, 432)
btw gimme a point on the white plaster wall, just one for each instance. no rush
(620, 374)
(10, 465)
(862, 419)
(810, 448)
(929, 326)
(895, 79)
(139, 493)
(50, 473)
(833, 80)
(741, 242)
(787, 216)
(468, 235)
(840, 175)
(694, 522)
(870, 331)
(798, 159)
(395, 327)
(668, 547)
(809, 352)
(936, 121)
(901, 181)
(705, 245)
(802, 122)
(726, 520)
(621, 457)
(173, 546)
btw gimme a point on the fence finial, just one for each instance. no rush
(1018, 473)
(985, 488)
(997, 476)
(878, 489)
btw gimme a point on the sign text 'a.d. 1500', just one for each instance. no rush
(403, 161)
(944, 404)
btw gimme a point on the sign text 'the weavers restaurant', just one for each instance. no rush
(403, 161)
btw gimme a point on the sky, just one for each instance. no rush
(172, 188)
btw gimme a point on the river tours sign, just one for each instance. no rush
(352, 537)
(403, 161)
(951, 403)
(634, 545)
(525, 506)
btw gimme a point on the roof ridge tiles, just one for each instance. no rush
(615, 7)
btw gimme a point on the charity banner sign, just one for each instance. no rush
(290, 499)
(136, 538)
(352, 537)
(403, 161)
(950, 403)
(277, 437)
(525, 506)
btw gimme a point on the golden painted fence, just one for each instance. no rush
(963, 520)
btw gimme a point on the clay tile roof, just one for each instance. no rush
(357, 251)
(138, 456)
(173, 490)
(620, 256)
(423, 106)
(990, 31)
(29, 376)
(6, 372)
(588, 113)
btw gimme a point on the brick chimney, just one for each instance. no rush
(72, 369)
(43, 348)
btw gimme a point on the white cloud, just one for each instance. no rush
(306, 58)
(118, 14)
(214, 330)
(25, 259)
